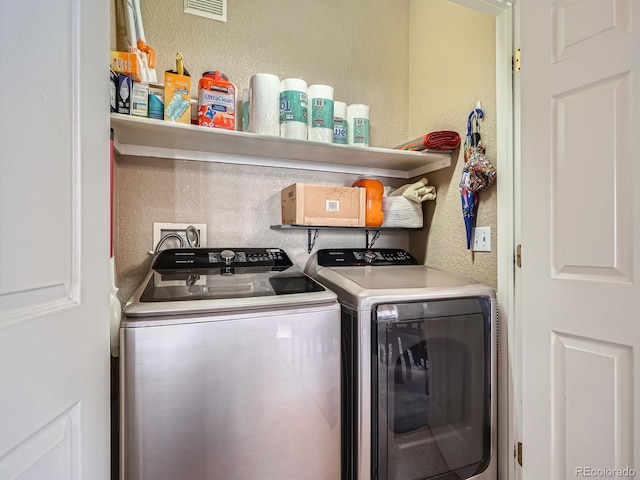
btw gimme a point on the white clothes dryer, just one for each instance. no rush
(418, 367)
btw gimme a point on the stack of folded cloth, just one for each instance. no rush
(440, 140)
(403, 207)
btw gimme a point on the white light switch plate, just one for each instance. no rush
(482, 239)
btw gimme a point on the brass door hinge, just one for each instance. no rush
(516, 61)
(519, 454)
(519, 256)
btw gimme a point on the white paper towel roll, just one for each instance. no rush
(320, 113)
(358, 124)
(245, 110)
(293, 108)
(340, 127)
(264, 104)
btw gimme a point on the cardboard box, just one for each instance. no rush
(140, 99)
(323, 205)
(123, 94)
(177, 97)
(125, 63)
(113, 91)
(156, 101)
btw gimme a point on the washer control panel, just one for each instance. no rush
(351, 257)
(195, 258)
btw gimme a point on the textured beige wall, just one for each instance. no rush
(359, 47)
(238, 203)
(452, 65)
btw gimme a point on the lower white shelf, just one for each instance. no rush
(147, 137)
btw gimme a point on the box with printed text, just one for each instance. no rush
(323, 205)
(177, 97)
(125, 63)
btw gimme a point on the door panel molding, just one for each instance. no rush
(603, 369)
(592, 227)
(573, 36)
(41, 262)
(53, 450)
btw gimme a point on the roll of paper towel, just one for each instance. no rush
(245, 110)
(340, 127)
(293, 108)
(358, 124)
(264, 104)
(320, 113)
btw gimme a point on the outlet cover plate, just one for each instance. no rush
(162, 229)
(482, 239)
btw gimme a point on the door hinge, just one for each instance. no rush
(519, 256)
(519, 453)
(516, 61)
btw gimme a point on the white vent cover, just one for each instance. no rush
(214, 9)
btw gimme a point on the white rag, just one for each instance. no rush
(416, 192)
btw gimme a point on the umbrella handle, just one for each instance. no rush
(476, 112)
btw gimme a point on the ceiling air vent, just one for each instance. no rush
(214, 9)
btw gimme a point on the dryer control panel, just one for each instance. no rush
(350, 257)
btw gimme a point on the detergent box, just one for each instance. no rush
(125, 63)
(323, 205)
(156, 101)
(113, 90)
(177, 97)
(123, 94)
(140, 99)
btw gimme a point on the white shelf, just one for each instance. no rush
(147, 137)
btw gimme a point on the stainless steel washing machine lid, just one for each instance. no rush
(391, 275)
(206, 280)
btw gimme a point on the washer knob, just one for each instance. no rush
(228, 256)
(369, 256)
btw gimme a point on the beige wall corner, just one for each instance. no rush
(452, 65)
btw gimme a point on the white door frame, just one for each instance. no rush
(508, 363)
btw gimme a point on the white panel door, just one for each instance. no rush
(54, 241)
(580, 234)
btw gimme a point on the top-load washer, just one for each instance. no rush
(230, 369)
(419, 367)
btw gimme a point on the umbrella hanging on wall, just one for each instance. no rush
(477, 174)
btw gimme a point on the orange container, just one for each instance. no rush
(373, 211)
(216, 101)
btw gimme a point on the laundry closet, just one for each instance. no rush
(421, 66)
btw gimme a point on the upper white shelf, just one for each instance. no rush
(156, 138)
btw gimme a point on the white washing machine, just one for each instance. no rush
(419, 367)
(230, 369)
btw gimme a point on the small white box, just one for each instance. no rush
(140, 99)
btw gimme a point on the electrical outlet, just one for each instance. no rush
(180, 229)
(482, 239)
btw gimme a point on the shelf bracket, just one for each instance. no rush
(311, 238)
(376, 235)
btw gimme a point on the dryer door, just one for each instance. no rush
(433, 389)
